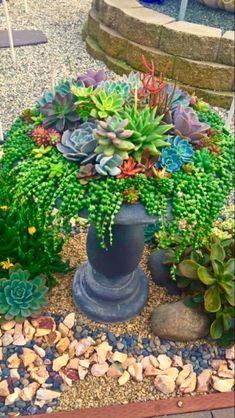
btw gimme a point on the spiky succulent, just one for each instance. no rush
(130, 168)
(187, 124)
(46, 137)
(204, 159)
(61, 113)
(131, 196)
(108, 166)
(106, 105)
(148, 131)
(92, 78)
(112, 137)
(79, 145)
(21, 297)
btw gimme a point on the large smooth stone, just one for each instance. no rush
(160, 272)
(177, 322)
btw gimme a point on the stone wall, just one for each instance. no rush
(200, 58)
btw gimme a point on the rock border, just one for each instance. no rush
(152, 409)
(200, 58)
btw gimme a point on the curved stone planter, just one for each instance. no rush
(111, 287)
(200, 58)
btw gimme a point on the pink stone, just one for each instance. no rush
(177, 362)
(28, 393)
(230, 353)
(184, 374)
(150, 371)
(203, 381)
(82, 372)
(102, 350)
(136, 371)
(189, 385)
(164, 361)
(115, 370)
(164, 384)
(7, 339)
(99, 370)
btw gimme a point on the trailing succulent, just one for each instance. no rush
(208, 277)
(21, 296)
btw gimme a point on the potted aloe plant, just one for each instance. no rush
(124, 154)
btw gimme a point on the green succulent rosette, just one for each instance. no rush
(21, 297)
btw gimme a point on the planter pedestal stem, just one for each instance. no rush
(111, 287)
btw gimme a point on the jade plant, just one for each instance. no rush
(21, 296)
(208, 277)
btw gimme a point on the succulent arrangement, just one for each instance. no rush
(95, 144)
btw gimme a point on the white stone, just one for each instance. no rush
(29, 391)
(4, 389)
(177, 361)
(222, 385)
(47, 395)
(189, 385)
(164, 384)
(13, 397)
(39, 351)
(102, 350)
(82, 372)
(187, 370)
(124, 378)
(230, 353)
(60, 362)
(203, 381)
(99, 370)
(119, 357)
(69, 320)
(136, 371)
(164, 361)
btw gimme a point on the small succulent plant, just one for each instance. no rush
(121, 87)
(79, 145)
(187, 124)
(148, 131)
(208, 142)
(46, 137)
(108, 166)
(63, 88)
(204, 159)
(61, 113)
(179, 97)
(148, 162)
(27, 115)
(131, 196)
(20, 296)
(183, 148)
(170, 160)
(87, 173)
(130, 168)
(83, 100)
(106, 104)
(92, 78)
(112, 137)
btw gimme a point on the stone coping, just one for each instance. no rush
(201, 58)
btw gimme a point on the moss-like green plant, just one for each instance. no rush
(21, 297)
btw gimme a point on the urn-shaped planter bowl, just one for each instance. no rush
(111, 287)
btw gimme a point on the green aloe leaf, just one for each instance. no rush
(189, 268)
(205, 276)
(216, 329)
(217, 252)
(212, 300)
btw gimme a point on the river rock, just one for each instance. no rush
(177, 322)
(161, 272)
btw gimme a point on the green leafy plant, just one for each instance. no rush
(208, 276)
(21, 296)
(106, 104)
(148, 131)
(84, 102)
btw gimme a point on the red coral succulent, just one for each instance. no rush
(130, 168)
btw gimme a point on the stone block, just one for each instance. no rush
(112, 43)
(226, 54)
(164, 62)
(143, 26)
(206, 75)
(111, 12)
(94, 49)
(216, 98)
(93, 24)
(118, 66)
(198, 42)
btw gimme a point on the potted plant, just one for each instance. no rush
(124, 154)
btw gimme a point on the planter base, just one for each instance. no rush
(106, 300)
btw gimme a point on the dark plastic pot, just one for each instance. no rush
(111, 287)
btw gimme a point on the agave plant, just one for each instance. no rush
(108, 166)
(187, 124)
(106, 104)
(21, 297)
(79, 145)
(92, 78)
(112, 137)
(148, 131)
(130, 168)
(61, 113)
(208, 276)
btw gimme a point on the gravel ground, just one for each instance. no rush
(196, 13)
(62, 22)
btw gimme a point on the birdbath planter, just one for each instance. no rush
(111, 287)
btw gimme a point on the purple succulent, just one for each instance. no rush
(92, 78)
(187, 124)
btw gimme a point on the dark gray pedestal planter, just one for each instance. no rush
(111, 287)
